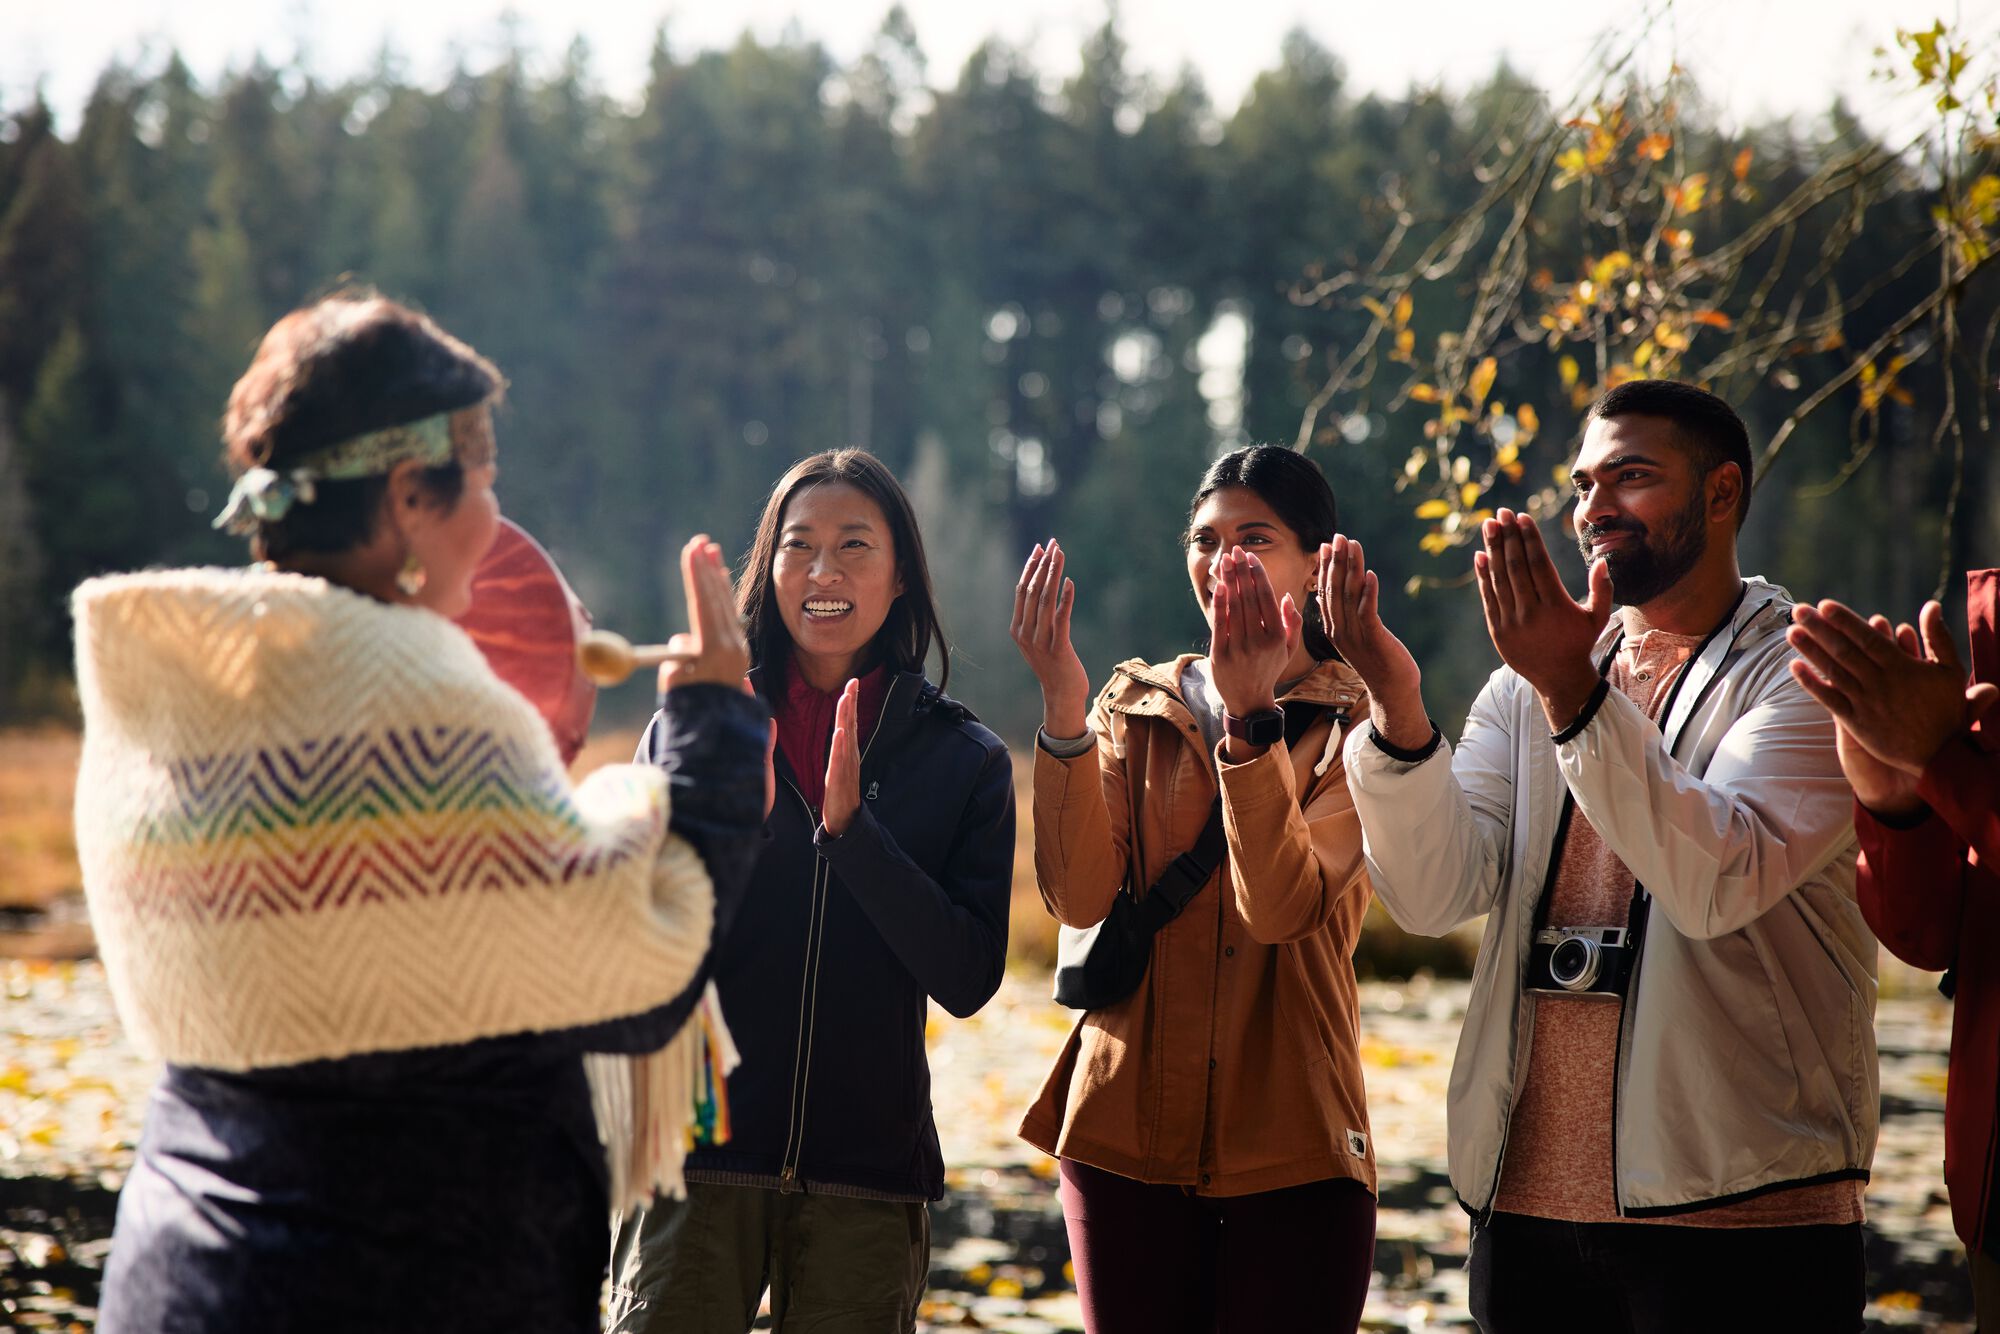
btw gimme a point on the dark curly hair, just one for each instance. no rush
(345, 365)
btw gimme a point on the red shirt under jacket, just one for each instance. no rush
(805, 727)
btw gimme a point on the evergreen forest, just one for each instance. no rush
(1047, 303)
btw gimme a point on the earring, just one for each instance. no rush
(410, 578)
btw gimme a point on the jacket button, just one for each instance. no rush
(1204, 1178)
(1229, 951)
(1211, 1063)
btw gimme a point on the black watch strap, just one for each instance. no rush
(1263, 728)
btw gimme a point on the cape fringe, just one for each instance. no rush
(652, 1110)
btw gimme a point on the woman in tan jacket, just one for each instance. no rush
(1216, 1166)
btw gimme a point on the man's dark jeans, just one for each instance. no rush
(1539, 1276)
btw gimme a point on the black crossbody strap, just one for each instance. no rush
(1187, 873)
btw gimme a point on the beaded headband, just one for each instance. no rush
(264, 495)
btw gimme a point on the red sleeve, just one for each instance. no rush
(1911, 883)
(1962, 784)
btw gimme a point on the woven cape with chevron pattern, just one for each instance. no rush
(313, 825)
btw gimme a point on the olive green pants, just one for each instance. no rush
(833, 1265)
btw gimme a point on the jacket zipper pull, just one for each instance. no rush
(788, 1181)
(874, 788)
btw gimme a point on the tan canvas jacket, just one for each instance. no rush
(1235, 1066)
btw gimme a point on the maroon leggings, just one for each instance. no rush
(1163, 1260)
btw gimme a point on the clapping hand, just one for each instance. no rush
(1543, 633)
(1043, 601)
(713, 645)
(1897, 694)
(1350, 608)
(1256, 633)
(843, 764)
(714, 648)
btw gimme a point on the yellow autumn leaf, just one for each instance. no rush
(1405, 307)
(1653, 147)
(1687, 197)
(1434, 543)
(1670, 338)
(1433, 509)
(1642, 355)
(1678, 238)
(1375, 308)
(1714, 319)
(1567, 369)
(1004, 1287)
(1481, 383)
(1468, 495)
(1741, 167)
(1982, 200)
(1406, 345)
(1531, 422)
(1506, 454)
(1424, 393)
(1609, 269)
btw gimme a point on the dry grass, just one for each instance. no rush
(1031, 932)
(37, 824)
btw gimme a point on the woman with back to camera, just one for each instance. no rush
(885, 883)
(343, 885)
(1216, 1166)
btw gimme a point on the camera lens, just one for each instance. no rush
(1573, 964)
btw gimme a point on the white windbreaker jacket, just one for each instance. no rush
(1746, 1059)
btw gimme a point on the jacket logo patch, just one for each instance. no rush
(1357, 1144)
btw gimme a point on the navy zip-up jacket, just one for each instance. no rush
(831, 956)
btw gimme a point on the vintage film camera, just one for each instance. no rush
(1589, 961)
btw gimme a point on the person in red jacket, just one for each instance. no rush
(1923, 753)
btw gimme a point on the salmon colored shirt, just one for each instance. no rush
(1558, 1160)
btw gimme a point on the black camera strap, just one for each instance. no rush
(1561, 842)
(1636, 917)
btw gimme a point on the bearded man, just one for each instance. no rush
(1666, 1084)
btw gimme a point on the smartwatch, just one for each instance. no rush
(1265, 728)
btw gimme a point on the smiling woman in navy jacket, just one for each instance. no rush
(885, 882)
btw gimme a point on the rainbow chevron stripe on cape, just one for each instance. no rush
(313, 825)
